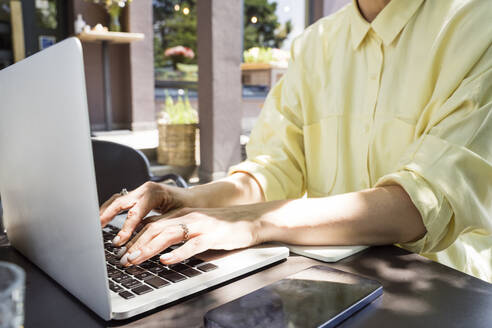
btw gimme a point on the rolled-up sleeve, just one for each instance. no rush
(275, 150)
(447, 171)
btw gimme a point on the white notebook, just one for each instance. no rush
(326, 253)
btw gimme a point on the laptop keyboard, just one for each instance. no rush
(150, 275)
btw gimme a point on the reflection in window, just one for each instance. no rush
(175, 40)
(46, 13)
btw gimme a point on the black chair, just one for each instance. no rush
(119, 166)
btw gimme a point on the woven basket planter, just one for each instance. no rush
(177, 144)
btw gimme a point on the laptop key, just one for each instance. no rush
(133, 270)
(141, 290)
(157, 282)
(116, 274)
(144, 276)
(178, 267)
(116, 288)
(146, 265)
(194, 262)
(119, 266)
(207, 267)
(121, 278)
(126, 294)
(156, 258)
(113, 273)
(113, 261)
(156, 269)
(190, 272)
(172, 276)
(132, 283)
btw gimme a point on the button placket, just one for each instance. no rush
(375, 70)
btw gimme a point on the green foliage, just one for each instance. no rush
(180, 112)
(258, 55)
(267, 31)
(174, 28)
(46, 17)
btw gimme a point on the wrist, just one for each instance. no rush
(194, 197)
(265, 227)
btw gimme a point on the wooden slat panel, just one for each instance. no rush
(17, 30)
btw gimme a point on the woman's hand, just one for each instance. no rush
(217, 228)
(139, 202)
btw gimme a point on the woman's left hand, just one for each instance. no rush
(201, 229)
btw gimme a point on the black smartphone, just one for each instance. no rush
(316, 297)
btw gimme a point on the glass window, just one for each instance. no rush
(175, 54)
(272, 23)
(269, 28)
(6, 56)
(175, 40)
(46, 14)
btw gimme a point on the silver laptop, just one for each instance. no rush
(48, 189)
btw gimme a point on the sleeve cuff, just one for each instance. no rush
(434, 209)
(272, 190)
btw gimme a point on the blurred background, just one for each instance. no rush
(152, 64)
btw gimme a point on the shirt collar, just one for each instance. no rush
(387, 24)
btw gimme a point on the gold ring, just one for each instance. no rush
(186, 231)
(123, 192)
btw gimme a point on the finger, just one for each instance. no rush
(118, 205)
(149, 219)
(156, 245)
(107, 203)
(141, 228)
(123, 250)
(192, 247)
(135, 216)
(137, 248)
(104, 206)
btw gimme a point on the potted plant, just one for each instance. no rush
(177, 126)
(179, 54)
(113, 7)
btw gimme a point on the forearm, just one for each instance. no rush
(371, 217)
(237, 189)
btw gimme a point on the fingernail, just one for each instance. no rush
(166, 257)
(134, 255)
(121, 252)
(116, 240)
(124, 259)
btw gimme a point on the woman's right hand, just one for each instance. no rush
(139, 202)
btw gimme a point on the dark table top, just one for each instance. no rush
(417, 293)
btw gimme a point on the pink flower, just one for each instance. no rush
(179, 51)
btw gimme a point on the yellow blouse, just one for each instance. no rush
(406, 99)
